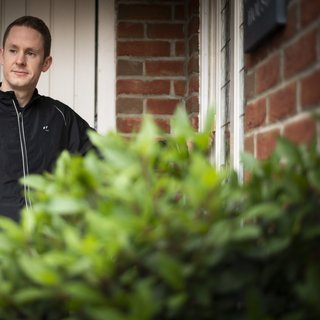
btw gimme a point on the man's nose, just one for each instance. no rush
(21, 58)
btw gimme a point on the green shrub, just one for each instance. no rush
(148, 229)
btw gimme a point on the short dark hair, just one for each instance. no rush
(36, 24)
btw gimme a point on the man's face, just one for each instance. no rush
(23, 59)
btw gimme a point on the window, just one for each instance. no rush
(222, 74)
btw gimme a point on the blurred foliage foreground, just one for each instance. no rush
(148, 229)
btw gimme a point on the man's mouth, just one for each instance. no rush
(20, 73)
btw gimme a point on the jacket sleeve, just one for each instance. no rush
(78, 140)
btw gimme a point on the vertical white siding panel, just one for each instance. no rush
(13, 9)
(84, 98)
(10, 10)
(42, 9)
(63, 51)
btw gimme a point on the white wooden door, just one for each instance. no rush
(72, 76)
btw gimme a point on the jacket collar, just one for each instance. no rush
(6, 97)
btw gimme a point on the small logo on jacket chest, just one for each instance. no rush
(46, 128)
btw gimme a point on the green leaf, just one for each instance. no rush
(288, 152)
(105, 313)
(270, 247)
(221, 232)
(37, 271)
(251, 164)
(180, 125)
(36, 182)
(314, 178)
(310, 288)
(146, 140)
(12, 230)
(81, 292)
(246, 232)
(32, 294)
(66, 205)
(142, 302)
(264, 211)
(167, 268)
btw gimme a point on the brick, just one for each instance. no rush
(193, 85)
(193, 7)
(310, 92)
(253, 58)
(266, 143)
(132, 86)
(143, 48)
(268, 74)
(162, 106)
(255, 115)
(194, 120)
(249, 87)
(129, 67)
(129, 105)
(179, 12)
(310, 11)
(144, 12)
(165, 31)
(282, 103)
(301, 54)
(128, 125)
(249, 61)
(164, 68)
(302, 131)
(292, 21)
(193, 26)
(180, 49)
(249, 144)
(163, 124)
(192, 104)
(193, 64)
(194, 44)
(179, 87)
(130, 30)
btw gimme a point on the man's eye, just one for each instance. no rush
(12, 50)
(30, 53)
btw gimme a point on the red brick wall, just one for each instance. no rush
(157, 57)
(283, 82)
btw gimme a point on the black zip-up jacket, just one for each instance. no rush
(31, 139)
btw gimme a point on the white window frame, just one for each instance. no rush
(106, 68)
(211, 27)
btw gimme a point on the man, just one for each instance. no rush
(34, 129)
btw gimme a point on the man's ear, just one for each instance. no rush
(47, 63)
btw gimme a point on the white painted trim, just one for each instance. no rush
(236, 87)
(106, 78)
(217, 80)
(204, 62)
(212, 78)
(84, 50)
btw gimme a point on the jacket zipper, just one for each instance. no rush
(24, 154)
